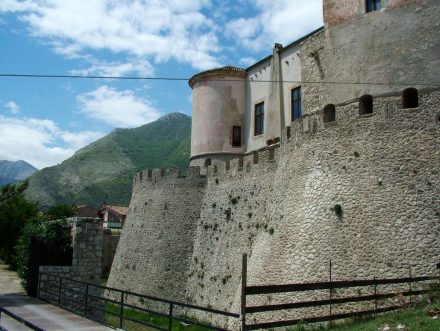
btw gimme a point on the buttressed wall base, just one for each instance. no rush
(184, 237)
(355, 186)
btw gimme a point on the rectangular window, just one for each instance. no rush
(259, 118)
(296, 103)
(236, 136)
(373, 5)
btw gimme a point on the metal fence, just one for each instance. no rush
(93, 301)
(405, 288)
(101, 303)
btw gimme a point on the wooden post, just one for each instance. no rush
(86, 300)
(60, 286)
(170, 317)
(438, 268)
(331, 290)
(121, 312)
(410, 286)
(375, 296)
(243, 291)
(39, 284)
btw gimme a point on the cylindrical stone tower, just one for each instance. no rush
(217, 114)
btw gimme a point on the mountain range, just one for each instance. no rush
(14, 171)
(102, 172)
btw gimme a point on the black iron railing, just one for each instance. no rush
(324, 301)
(99, 302)
(4, 311)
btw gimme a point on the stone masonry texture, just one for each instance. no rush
(156, 244)
(109, 245)
(184, 237)
(386, 50)
(87, 237)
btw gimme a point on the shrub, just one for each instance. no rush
(15, 210)
(337, 209)
(60, 211)
(55, 238)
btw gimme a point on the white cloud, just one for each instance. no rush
(12, 106)
(39, 141)
(156, 31)
(117, 108)
(141, 67)
(279, 21)
(247, 61)
(77, 140)
(15, 6)
(161, 29)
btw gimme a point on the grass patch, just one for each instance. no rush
(160, 321)
(413, 319)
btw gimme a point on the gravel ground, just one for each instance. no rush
(9, 281)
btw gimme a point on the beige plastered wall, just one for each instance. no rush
(218, 105)
(257, 90)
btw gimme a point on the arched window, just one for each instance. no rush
(410, 98)
(329, 113)
(207, 162)
(365, 104)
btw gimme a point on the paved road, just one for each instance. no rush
(43, 315)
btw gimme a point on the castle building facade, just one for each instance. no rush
(327, 150)
(367, 47)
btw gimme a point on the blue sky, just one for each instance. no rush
(44, 121)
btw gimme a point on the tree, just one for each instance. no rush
(15, 210)
(54, 239)
(60, 211)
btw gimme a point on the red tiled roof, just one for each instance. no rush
(117, 209)
(221, 69)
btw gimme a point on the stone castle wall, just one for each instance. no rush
(370, 53)
(184, 237)
(156, 244)
(87, 234)
(109, 246)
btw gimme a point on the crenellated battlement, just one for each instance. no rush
(386, 108)
(373, 157)
(167, 177)
(347, 116)
(159, 174)
(353, 180)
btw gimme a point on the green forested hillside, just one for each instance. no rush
(103, 171)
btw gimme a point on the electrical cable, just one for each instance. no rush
(9, 75)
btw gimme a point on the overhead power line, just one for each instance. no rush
(251, 80)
